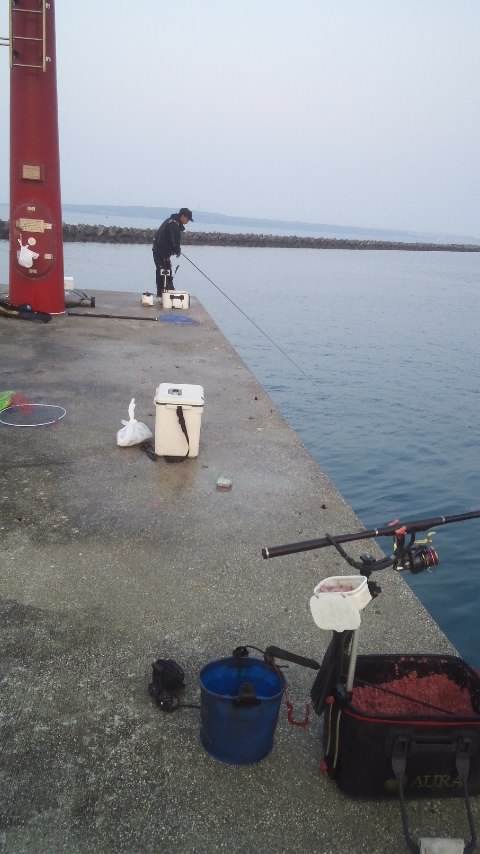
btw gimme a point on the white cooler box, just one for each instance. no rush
(176, 299)
(172, 403)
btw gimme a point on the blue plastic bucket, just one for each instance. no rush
(240, 703)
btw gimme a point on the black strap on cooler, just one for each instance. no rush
(181, 421)
(177, 296)
(462, 747)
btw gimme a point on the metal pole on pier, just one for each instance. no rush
(36, 239)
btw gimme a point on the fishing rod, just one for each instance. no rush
(262, 331)
(396, 529)
(109, 316)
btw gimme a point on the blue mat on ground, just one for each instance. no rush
(177, 318)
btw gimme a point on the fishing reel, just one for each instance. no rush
(417, 556)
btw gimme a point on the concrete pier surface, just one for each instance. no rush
(111, 560)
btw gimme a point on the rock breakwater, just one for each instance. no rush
(118, 234)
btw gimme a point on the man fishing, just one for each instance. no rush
(167, 243)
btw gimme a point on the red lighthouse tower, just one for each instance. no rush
(36, 240)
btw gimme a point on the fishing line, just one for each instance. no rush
(262, 331)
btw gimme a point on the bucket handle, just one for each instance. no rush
(462, 761)
(246, 696)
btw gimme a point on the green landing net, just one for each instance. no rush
(6, 399)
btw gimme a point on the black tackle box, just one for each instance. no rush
(431, 752)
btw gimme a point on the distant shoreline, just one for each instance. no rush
(118, 234)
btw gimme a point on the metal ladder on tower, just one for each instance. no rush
(20, 16)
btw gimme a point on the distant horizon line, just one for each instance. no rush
(211, 217)
(206, 217)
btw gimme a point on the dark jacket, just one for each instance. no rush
(167, 238)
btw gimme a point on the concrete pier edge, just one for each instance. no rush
(111, 560)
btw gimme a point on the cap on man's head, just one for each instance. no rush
(186, 212)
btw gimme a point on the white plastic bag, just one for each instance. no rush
(133, 432)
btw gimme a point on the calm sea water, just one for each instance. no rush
(387, 398)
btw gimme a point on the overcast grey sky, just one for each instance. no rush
(350, 112)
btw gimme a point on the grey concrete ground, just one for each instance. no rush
(110, 560)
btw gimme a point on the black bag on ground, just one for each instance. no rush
(23, 312)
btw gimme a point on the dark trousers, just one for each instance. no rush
(163, 274)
